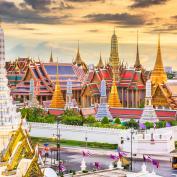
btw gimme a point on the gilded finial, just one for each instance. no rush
(114, 30)
(51, 56)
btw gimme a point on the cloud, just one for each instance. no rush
(146, 3)
(171, 28)
(86, 1)
(94, 31)
(27, 28)
(39, 4)
(11, 13)
(62, 6)
(124, 19)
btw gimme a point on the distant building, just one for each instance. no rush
(168, 69)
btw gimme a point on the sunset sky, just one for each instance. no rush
(33, 27)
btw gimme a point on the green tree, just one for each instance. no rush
(132, 124)
(72, 120)
(90, 120)
(37, 115)
(105, 120)
(149, 125)
(117, 121)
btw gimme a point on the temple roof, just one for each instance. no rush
(133, 113)
(45, 75)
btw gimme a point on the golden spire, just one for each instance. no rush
(158, 75)
(114, 57)
(51, 57)
(100, 63)
(114, 100)
(137, 64)
(57, 98)
(17, 69)
(78, 59)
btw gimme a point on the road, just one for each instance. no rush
(72, 161)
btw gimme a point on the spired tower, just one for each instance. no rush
(149, 114)
(69, 94)
(158, 75)
(114, 100)
(137, 64)
(8, 114)
(100, 63)
(33, 102)
(51, 57)
(114, 56)
(103, 109)
(9, 118)
(57, 98)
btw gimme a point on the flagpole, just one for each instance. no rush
(131, 159)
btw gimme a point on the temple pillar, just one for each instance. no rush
(127, 98)
(122, 97)
(136, 98)
(132, 98)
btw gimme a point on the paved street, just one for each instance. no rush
(72, 160)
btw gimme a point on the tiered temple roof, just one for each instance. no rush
(129, 78)
(45, 75)
(20, 159)
(16, 70)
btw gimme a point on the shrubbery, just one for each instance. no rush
(71, 117)
(105, 120)
(37, 115)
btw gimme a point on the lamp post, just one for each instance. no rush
(86, 138)
(131, 156)
(58, 142)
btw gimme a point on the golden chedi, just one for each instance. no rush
(114, 100)
(57, 99)
(158, 75)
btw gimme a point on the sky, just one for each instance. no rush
(34, 27)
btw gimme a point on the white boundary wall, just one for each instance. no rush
(162, 144)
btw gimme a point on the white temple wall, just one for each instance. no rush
(163, 138)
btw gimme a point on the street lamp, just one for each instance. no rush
(131, 147)
(58, 142)
(86, 138)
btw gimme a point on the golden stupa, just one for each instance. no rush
(114, 100)
(57, 99)
(158, 75)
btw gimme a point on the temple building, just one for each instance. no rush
(16, 70)
(163, 91)
(129, 81)
(44, 76)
